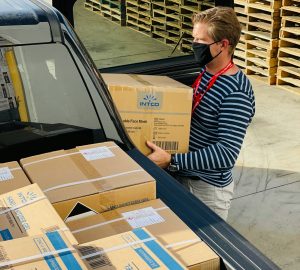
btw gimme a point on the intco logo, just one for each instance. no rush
(149, 101)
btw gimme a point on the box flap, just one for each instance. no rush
(134, 80)
(116, 168)
(56, 169)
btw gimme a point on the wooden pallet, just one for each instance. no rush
(172, 15)
(290, 11)
(171, 6)
(109, 9)
(158, 15)
(289, 37)
(288, 77)
(241, 12)
(264, 15)
(188, 11)
(168, 2)
(240, 58)
(140, 4)
(291, 21)
(173, 31)
(190, 2)
(92, 4)
(165, 37)
(290, 3)
(262, 48)
(265, 69)
(287, 34)
(206, 4)
(267, 21)
(257, 33)
(138, 27)
(240, 8)
(288, 54)
(158, 6)
(158, 24)
(137, 16)
(254, 58)
(265, 5)
(138, 10)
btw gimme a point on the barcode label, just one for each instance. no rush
(5, 174)
(97, 261)
(97, 153)
(142, 217)
(167, 145)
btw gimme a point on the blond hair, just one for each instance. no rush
(222, 23)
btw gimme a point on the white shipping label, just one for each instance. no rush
(142, 217)
(97, 153)
(5, 174)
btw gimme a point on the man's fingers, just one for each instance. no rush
(151, 145)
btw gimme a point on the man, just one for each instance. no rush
(223, 107)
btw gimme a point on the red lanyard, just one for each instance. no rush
(198, 97)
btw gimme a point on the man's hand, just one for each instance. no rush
(159, 156)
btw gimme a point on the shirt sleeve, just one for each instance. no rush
(235, 114)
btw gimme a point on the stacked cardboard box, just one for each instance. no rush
(12, 177)
(136, 249)
(160, 221)
(27, 212)
(99, 177)
(115, 239)
(48, 251)
(154, 108)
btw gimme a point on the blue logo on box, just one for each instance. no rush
(6, 235)
(149, 101)
(147, 258)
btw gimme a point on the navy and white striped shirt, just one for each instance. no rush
(218, 128)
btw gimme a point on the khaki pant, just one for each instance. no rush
(216, 198)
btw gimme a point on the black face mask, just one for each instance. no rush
(202, 53)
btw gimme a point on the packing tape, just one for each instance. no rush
(81, 182)
(35, 257)
(117, 248)
(22, 205)
(15, 169)
(110, 221)
(190, 241)
(141, 80)
(86, 168)
(50, 158)
(58, 156)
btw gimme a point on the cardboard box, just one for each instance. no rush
(160, 221)
(48, 251)
(27, 212)
(154, 108)
(97, 177)
(136, 249)
(12, 177)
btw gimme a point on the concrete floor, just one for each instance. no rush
(266, 206)
(111, 45)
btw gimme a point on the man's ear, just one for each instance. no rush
(225, 43)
